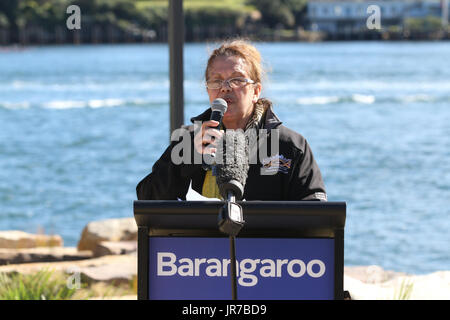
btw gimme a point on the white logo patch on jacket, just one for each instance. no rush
(276, 163)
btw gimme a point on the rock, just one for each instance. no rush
(107, 270)
(116, 273)
(124, 229)
(371, 274)
(106, 248)
(114, 270)
(127, 263)
(17, 256)
(365, 291)
(13, 239)
(104, 291)
(433, 286)
(374, 283)
(127, 297)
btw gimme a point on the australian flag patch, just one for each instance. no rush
(276, 163)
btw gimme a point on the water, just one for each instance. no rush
(81, 126)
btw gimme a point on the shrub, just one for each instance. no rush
(43, 285)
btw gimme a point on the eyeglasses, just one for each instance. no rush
(234, 83)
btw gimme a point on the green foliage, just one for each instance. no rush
(10, 11)
(43, 285)
(50, 13)
(202, 13)
(427, 24)
(214, 16)
(153, 17)
(405, 290)
(108, 12)
(3, 21)
(287, 13)
(43, 13)
(131, 15)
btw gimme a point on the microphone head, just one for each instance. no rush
(232, 163)
(220, 105)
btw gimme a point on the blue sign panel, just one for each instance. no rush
(199, 268)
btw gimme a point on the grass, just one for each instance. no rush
(49, 285)
(43, 285)
(102, 290)
(405, 290)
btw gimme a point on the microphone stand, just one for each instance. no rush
(231, 222)
(233, 268)
(232, 198)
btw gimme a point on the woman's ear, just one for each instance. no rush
(256, 92)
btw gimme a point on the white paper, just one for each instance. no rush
(193, 195)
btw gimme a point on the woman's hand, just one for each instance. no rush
(204, 140)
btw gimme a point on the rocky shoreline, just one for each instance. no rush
(106, 254)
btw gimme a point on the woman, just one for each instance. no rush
(234, 73)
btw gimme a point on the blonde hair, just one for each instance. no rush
(243, 49)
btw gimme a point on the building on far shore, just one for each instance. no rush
(344, 17)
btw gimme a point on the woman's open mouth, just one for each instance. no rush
(228, 100)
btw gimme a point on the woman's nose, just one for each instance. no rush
(225, 87)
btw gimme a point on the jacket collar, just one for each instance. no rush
(271, 120)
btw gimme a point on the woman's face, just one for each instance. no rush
(240, 100)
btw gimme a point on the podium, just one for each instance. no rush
(290, 250)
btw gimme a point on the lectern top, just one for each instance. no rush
(278, 218)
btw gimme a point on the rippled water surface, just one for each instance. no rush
(81, 125)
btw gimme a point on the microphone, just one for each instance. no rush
(231, 176)
(218, 107)
(232, 171)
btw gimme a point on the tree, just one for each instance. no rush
(10, 9)
(288, 13)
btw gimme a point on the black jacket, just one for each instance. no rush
(298, 176)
